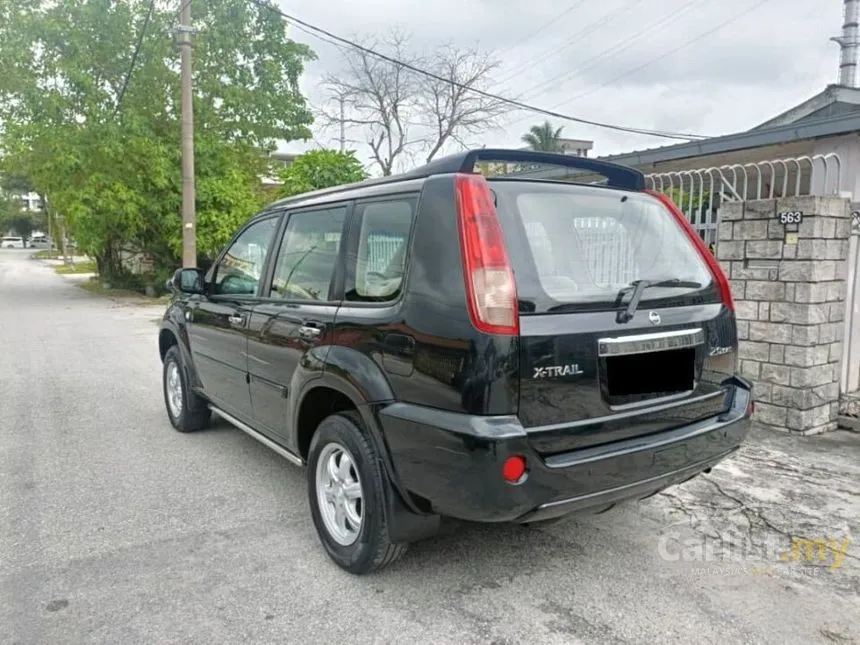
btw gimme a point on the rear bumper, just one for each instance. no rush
(454, 462)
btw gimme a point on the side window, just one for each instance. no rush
(382, 245)
(240, 270)
(308, 255)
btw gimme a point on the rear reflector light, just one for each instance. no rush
(490, 288)
(716, 270)
(514, 468)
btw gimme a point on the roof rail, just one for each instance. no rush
(321, 192)
(617, 176)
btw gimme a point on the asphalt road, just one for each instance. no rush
(116, 529)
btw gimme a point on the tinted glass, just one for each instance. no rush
(308, 256)
(240, 270)
(381, 261)
(580, 245)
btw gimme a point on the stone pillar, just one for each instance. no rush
(788, 283)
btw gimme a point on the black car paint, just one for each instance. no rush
(445, 404)
(455, 459)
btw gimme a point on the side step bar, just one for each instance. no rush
(283, 452)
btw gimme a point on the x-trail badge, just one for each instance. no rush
(654, 317)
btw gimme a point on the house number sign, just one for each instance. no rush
(790, 217)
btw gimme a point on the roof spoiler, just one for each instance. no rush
(617, 176)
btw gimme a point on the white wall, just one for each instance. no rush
(848, 149)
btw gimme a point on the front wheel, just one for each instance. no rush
(187, 411)
(347, 489)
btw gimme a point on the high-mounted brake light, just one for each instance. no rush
(490, 288)
(716, 270)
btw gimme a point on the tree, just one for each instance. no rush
(10, 210)
(451, 110)
(379, 97)
(108, 161)
(321, 169)
(544, 137)
(402, 113)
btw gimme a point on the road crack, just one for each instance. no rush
(750, 513)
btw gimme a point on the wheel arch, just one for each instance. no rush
(170, 335)
(349, 380)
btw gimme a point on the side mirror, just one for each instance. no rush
(186, 281)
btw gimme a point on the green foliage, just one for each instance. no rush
(321, 169)
(9, 210)
(544, 137)
(13, 217)
(112, 173)
(691, 203)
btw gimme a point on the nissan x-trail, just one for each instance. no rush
(450, 343)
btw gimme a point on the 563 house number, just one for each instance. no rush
(790, 217)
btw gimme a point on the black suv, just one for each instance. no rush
(445, 344)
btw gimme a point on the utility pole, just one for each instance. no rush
(189, 215)
(342, 125)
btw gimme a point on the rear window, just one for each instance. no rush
(578, 246)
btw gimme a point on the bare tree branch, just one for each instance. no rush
(379, 97)
(401, 112)
(451, 109)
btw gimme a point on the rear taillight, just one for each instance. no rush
(490, 288)
(709, 258)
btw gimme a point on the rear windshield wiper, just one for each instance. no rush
(639, 287)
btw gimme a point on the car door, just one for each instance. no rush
(218, 321)
(297, 313)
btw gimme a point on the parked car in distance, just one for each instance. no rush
(11, 242)
(441, 344)
(41, 242)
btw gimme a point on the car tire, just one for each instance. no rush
(361, 546)
(186, 410)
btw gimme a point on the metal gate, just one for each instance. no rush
(849, 382)
(699, 192)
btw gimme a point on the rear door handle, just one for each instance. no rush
(308, 333)
(236, 319)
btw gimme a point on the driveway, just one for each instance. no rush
(116, 529)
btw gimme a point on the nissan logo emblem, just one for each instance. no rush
(654, 317)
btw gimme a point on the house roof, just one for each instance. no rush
(835, 100)
(833, 112)
(756, 138)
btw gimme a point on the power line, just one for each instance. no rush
(573, 39)
(489, 95)
(674, 50)
(620, 46)
(662, 56)
(135, 55)
(548, 23)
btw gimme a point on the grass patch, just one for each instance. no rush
(95, 285)
(45, 254)
(78, 267)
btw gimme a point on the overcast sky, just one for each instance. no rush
(610, 60)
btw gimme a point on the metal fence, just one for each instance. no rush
(604, 242)
(382, 247)
(849, 381)
(699, 192)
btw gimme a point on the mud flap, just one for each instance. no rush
(404, 525)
